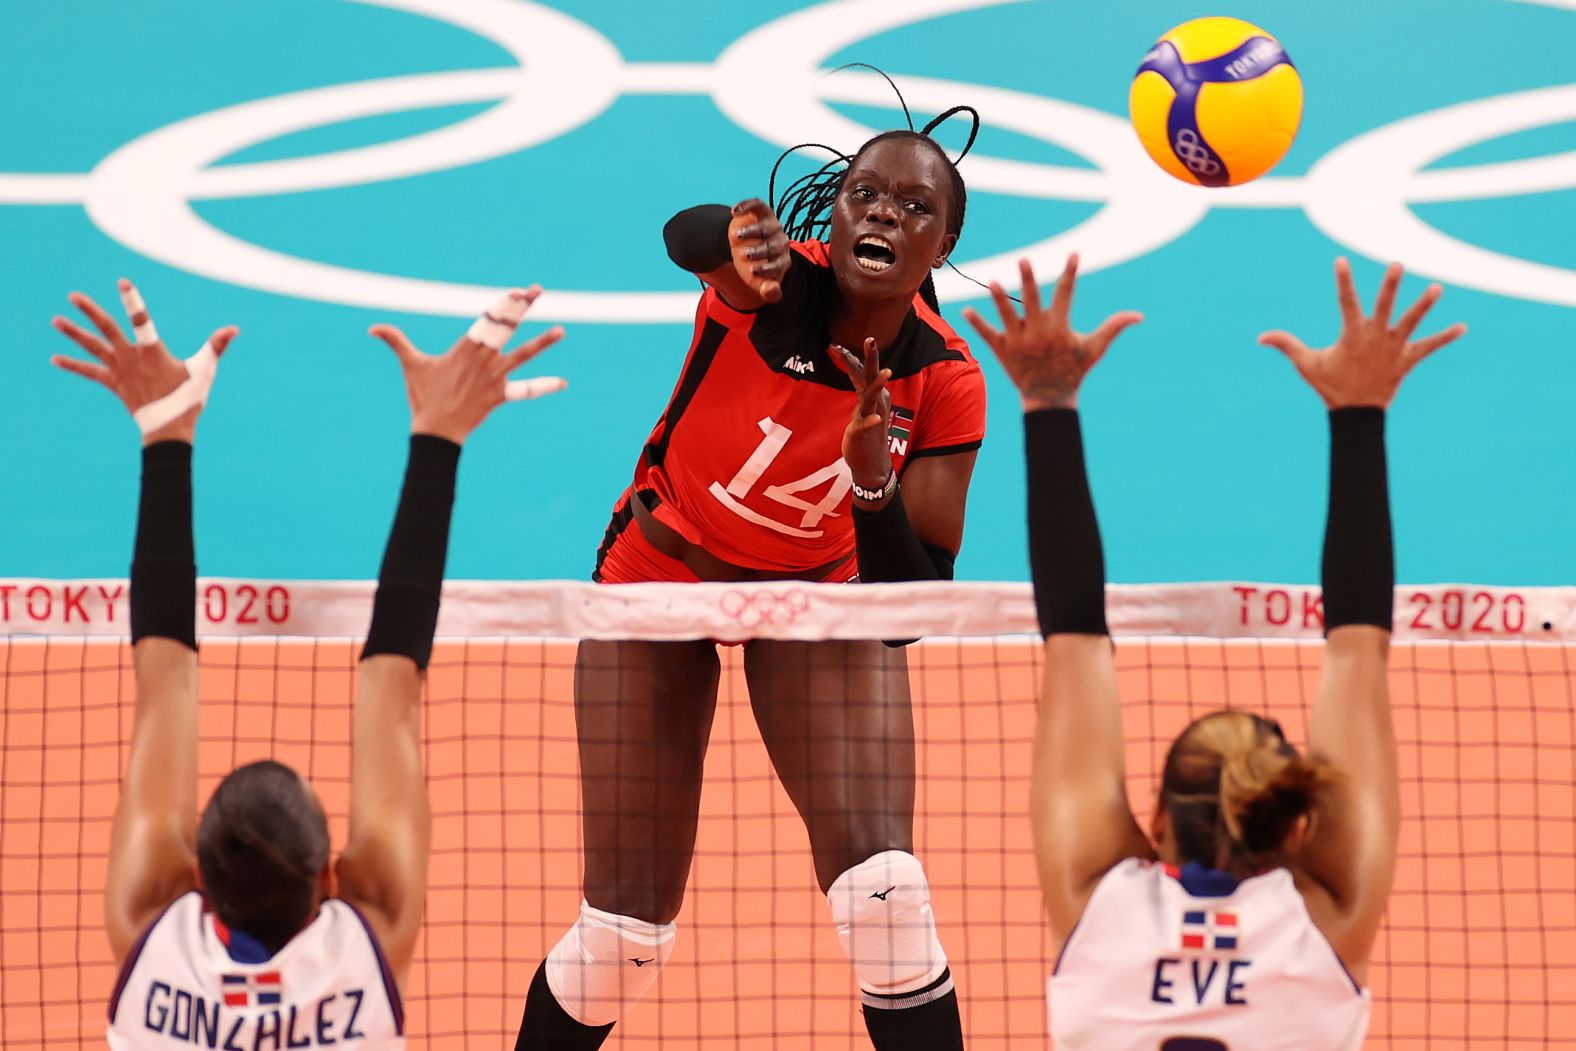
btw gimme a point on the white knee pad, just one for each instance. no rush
(606, 963)
(882, 910)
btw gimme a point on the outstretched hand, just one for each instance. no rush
(1366, 364)
(1042, 355)
(452, 393)
(866, 445)
(760, 248)
(164, 394)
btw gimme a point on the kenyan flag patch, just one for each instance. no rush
(902, 422)
(902, 429)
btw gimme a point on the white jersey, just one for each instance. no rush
(1190, 960)
(190, 983)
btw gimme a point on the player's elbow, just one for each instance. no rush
(120, 925)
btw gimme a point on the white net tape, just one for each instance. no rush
(786, 610)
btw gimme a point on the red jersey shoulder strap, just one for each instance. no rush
(813, 252)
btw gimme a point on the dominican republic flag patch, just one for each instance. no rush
(251, 990)
(1209, 929)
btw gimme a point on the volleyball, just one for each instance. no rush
(1216, 102)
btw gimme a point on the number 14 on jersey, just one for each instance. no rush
(775, 438)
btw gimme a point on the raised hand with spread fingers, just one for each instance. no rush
(451, 393)
(1045, 359)
(1365, 366)
(163, 393)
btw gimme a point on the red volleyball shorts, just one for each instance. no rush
(628, 557)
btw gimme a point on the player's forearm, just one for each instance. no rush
(1359, 552)
(164, 602)
(890, 549)
(164, 561)
(1066, 559)
(410, 581)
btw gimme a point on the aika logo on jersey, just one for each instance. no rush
(566, 74)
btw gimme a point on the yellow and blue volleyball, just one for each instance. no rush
(1216, 102)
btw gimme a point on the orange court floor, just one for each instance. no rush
(1479, 949)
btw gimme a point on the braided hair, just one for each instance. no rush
(805, 206)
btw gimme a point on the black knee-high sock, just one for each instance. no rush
(548, 1027)
(930, 1024)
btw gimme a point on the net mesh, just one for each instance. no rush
(1479, 948)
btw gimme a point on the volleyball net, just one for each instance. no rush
(1479, 948)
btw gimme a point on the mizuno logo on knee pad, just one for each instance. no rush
(583, 971)
(893, 945)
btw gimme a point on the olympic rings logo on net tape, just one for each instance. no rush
(568, 74)
(753, 609)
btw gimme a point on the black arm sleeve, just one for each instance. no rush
(410, 583)
(889, 549)
(1359, 552)
(697, 238)
(164, 562)
(1065, 556)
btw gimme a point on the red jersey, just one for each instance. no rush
(746, 461)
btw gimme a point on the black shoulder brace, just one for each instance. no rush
(697, 238)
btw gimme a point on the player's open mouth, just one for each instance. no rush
(874, 254)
